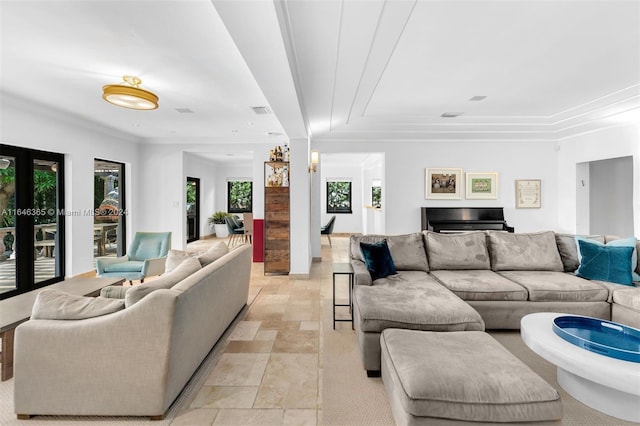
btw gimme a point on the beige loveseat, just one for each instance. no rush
(475, 281)
(135, 361)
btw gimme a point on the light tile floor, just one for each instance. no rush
(270, 372)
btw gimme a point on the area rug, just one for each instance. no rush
(8, 417)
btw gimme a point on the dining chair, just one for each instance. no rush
(247, 219)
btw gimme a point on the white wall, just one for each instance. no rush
(404, 180)
(35, 126)
(613, 142)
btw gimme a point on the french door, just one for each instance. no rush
(31, 219)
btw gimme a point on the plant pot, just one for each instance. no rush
(221, 230)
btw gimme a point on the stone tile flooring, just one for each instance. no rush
(271, 370)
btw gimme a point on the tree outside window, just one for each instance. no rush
(338, 197)
(239, 196)
(376, 196)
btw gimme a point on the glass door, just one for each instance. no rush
(193, 209)
(8, 224)
(33, 218)
(109, 218)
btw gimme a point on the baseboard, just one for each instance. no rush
(208, 237)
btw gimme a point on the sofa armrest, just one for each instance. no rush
(87, 356)
(103, 262)
(152, 267)
(361, 273)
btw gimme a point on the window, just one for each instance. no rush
(239, 199)
(376, 196)
(339, 197)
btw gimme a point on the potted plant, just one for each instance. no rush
(219, 224)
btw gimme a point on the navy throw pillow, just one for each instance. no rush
(378, 259)
(605, 263)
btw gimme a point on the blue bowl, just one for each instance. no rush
(599, 336)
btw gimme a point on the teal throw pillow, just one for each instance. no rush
(605, 262)
(378, 259)
(625, 242)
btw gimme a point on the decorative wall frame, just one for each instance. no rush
(443, 183)
(482, 186)
(528, 193)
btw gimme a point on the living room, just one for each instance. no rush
(340, 78)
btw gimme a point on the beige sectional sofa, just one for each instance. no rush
(476, 281)
(136, 360)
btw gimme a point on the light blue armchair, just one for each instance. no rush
(146, 257)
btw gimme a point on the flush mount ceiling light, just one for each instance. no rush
(128, 94)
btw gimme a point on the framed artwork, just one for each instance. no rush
(528, 193)
(443, 184)
(482, 186)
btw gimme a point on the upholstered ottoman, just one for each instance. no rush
(444, 378)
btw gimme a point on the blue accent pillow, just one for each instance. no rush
(626, 242)
(378, 259)
(605, 262)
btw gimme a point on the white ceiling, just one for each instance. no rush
(358, 70)
(61, 53)
(389, 69)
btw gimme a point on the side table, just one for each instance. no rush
(343, 269)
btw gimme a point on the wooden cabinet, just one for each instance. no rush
(276, 218)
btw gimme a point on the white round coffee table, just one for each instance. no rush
(609, 385)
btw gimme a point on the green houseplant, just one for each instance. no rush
(219, 224)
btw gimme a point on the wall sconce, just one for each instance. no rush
(315, 156)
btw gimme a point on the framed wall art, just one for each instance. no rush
(443, 183)
(528, 193)
(482, 186)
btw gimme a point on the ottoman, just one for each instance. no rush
(444, 378)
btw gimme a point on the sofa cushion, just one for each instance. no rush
(168, 280)
(464, 376)
(127, 266)
(113, 291)
(524, 252)
(413, 300)
(58, 305)
(549, 286)
(480, 285)
(378, 259)
(628, 297)
(215, 252)
(569, 250)
(407, 251)
(457, 251)
(605, 262)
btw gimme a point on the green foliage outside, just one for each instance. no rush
(191, 193)
(240, 196)
(376, 196)
(338, 197)
(44, 197)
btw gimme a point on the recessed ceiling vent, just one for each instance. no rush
(451, 114)
(261, 110)
(478, 98)
(184, 110)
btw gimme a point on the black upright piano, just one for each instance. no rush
(460, 219)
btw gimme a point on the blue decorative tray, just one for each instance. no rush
(599, 336)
